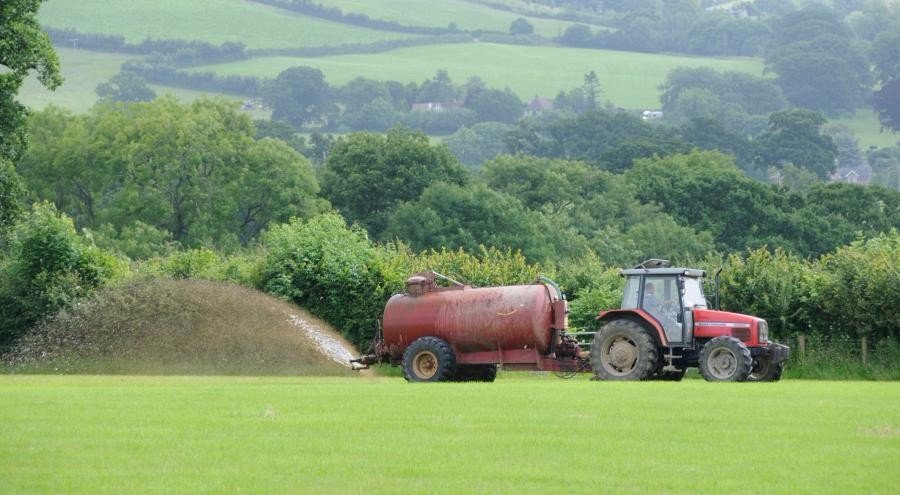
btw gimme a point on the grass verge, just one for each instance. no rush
(523, 434)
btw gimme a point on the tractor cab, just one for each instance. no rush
(668, 295)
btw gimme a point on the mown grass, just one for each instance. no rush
(215, 21)
(440, 13)
(95, 434)
(629, 80)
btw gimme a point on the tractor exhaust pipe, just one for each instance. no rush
(717, 288)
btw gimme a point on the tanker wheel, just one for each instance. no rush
(725, 359)
(429, 359)
(623, 350)
(476, 373)
(765, 371)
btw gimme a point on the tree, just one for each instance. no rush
(23, 47)
(887, 104)
(795, 136)
(439, 88)
(453, 216)
(11, 192)
(751, 94)
(705, 191)
(479, 143)
(494, 105)
(194, 171)
(360, 91)
(125, 87)
(366, 175)
(378, 115)
(592, 90)
(521, 26)
(276, 184)
(298, 96)
(577, 35)
(885, 55)
(818, 64)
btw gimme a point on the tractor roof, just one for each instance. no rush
(688, 272)
(661, 267)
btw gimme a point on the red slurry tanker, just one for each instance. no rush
(663, 327)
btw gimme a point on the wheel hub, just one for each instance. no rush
(622, 354)
(425, 365)
(722, 363)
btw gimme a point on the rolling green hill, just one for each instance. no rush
(466, 15)
(628, 79)
(214, 21)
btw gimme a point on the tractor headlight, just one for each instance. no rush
(763, 329)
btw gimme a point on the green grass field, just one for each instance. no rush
(215, 21)
(867, 128)
(523, 434)
(466, 15)
(628, 79)
(83, 71)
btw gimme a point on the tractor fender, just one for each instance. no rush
(639, 316)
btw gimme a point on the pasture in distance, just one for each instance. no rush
(629, 80)
(523, 434)
(214, 21)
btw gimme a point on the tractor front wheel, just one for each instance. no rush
(623, 350)
(429, 359)
(725, 359)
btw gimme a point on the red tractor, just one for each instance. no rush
(664, 326)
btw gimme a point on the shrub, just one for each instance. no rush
(49, 268)
(330, 269)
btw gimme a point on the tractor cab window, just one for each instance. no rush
(662, 299)
(693, 293)
(632, 291)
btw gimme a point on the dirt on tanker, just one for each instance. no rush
(183, 327)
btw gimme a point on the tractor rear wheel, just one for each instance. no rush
(623, 350)
(725, 359)
(765, 371)
(429, 359)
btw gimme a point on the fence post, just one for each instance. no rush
(865, 349)
(801, 345)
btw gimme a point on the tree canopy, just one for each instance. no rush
(367, 175)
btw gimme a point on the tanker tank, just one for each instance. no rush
(474, 319)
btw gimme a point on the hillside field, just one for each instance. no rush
(466, 15)
(523, 434)
(628, 79)
(214, 21)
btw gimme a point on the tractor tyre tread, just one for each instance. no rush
(647, 352)
(743, 364)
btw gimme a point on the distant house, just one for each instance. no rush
(538, 105)
(651, 114)
(435, 106)
(853, 175)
